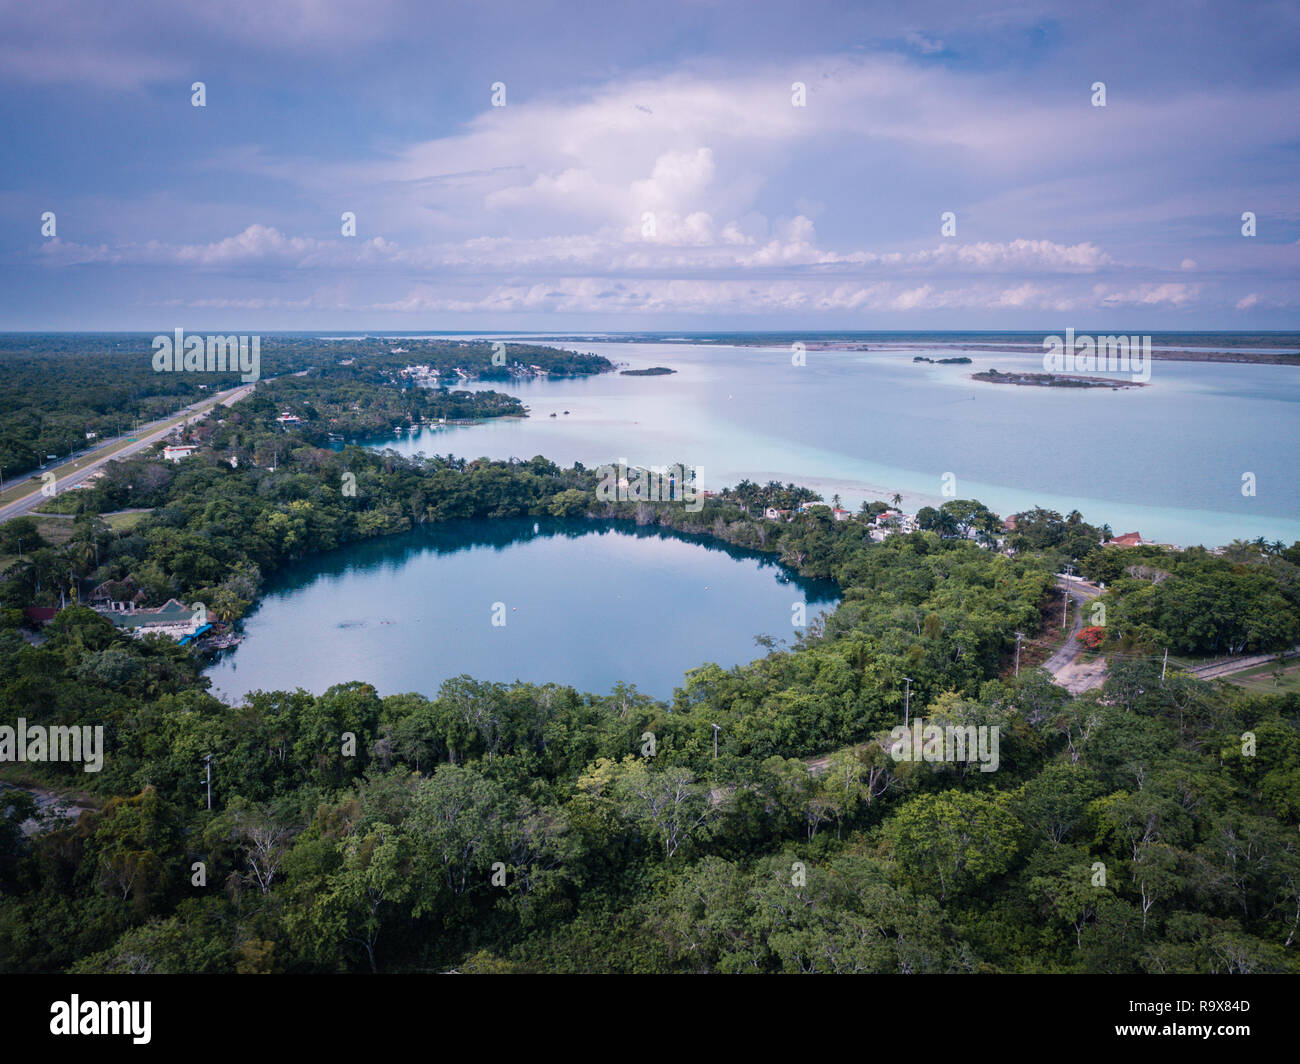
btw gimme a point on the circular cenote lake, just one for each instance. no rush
(586, 604)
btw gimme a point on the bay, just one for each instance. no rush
(1166, 460)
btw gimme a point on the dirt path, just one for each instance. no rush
(1067, 670)
(49, 803)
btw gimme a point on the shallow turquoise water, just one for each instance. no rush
(1166, 460)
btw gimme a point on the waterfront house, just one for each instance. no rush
(805, 507)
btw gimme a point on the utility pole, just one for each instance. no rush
(907, 702)
(207, 760)
(1019, 636)
(716, 729)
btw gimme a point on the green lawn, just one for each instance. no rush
(63, 503)
(1261, 679)
(124, 522)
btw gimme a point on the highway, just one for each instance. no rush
(144, 438)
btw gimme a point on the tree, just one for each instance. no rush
(457, 830)
(955, 841)
(264, 834)
(372, 885)
(664, 803)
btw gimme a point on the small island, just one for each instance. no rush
(654, 371)
(960, 360)
(1053, 380)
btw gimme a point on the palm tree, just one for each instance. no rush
(83, 553)
(835, 501)
(897, 500)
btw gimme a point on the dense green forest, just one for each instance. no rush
(61, 386)
(1147, 826)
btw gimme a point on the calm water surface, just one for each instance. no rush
(1166, 460)
(585, 604)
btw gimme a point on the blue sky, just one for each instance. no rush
(649, 169)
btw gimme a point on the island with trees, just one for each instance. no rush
(1053, 380)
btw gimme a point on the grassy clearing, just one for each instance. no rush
(1262, 679)
(58, 530)
(126, 520)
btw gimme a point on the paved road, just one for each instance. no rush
(145, 437)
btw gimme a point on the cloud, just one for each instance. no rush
(649, 297)
(256, 244)
(653, 189)
(673, 242)
(923, 44)
(1147, 295)
(127, 46)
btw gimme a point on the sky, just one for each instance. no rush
(544, 166)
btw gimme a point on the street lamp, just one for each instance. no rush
(1065, 606)
(207, 760)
